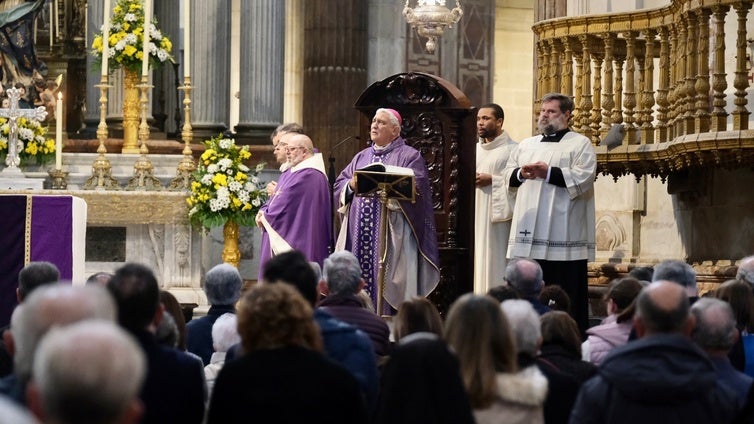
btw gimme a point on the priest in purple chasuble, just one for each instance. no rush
(297, 215)
(412, 261)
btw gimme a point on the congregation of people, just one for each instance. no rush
(351, 337)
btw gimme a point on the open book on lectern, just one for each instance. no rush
(398, 180)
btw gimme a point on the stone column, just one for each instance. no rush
(262, 55)
(334, 73)
(164, 92)
(386, 39)
(210, 73)
(293, 90)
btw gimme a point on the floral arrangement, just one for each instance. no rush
(223, 188)
(126, 39)
(33, 135)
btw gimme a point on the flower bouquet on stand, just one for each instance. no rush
(37, 147)
(225, 192)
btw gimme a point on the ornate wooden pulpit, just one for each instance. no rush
(438, 120)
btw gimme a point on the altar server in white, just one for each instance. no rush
(494, 203)
(553, 220)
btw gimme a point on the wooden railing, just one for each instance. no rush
(650, 72)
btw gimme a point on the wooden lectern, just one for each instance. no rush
(387, 182)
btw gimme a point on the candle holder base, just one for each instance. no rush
(186, 167)
(59, 179)
(144, 178)
(101, 178)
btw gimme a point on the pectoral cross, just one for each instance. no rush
(13, 159)
(525, 232)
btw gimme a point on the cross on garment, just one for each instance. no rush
(525, 232)
(13, 113)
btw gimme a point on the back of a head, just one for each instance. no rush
(524, 321)
(558, 328)
(715, 325)
(292, 268)
(36, 274)
(137, 294)
(481, 336)
(50, 306)
(623, 292)
(555, 298)
(642, 273)
(101, 278)
(288, 127)
(739, 295)
(502, 293)
(276, 315)
(676, 271)
(222, 284)
(416, 315)
(525, 275)
(662, 308)
(746, 270)
(342, 273)
(88, 372)
(225, 332)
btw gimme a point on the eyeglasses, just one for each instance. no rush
(295, 147)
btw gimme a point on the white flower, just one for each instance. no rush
(225, 143)
(243, 196)
(243, 168)
(25, 134)
(234, 186)
(154, 33)
(162, 55)
(120, 45)
(207, 179)
(212, 168)
(224, 163)
(215, 205)
(223, 193)
(129, 17)
(116, 28)
(256, 202)
(152, 48)
(40, 139)
(249, 186)
(255, 179)
(130, 38)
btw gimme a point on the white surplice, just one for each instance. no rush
(494, 210)
(550, 222)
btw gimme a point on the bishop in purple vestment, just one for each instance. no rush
(412, 260)
(298, 212)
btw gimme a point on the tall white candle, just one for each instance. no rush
(106, 38)
(59, 132)
(145, 53)
(187, 38)
(52, 17)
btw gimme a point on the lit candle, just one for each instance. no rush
(106, 38)
(187, 38)
(145, 53)
(59, 133)
(52, 35)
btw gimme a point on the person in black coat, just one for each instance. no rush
(284, 376)
(174, 389)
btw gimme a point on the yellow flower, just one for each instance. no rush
(140, 55)
(129, 50)
(236, 202)
(3, 144)
(166, 44)
(133, 7)
(117, 10)
(246, 207)
(126, 26)
(196, 185)
(244, 154)
(241, 177)
(97, 43)
(220, 179)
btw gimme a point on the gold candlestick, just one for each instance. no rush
(186, 166)
(102, 178)
(144, 178)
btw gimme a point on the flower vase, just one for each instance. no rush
(231, 254)
(130, 111)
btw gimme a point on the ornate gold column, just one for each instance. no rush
(662, 90)
(719, 84)
(130, 112)
(566, 68)
(680, 78)
(741, 81)
(702, 86)
(629, 102)
(607, 94)
(586, 90)
(596, 116)
(617, 112)
(647, 98)
(691, 56)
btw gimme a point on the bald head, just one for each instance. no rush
(525, 275)
(300, 147)
(663, 308)
(50, 306)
